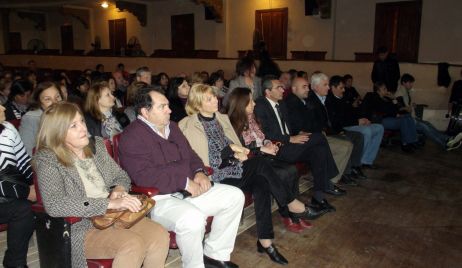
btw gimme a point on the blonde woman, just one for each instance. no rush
(77, 177)
(212, 137)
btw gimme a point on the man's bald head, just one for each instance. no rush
(300, 87)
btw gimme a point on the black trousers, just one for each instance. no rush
(316, 153)
(262, 181)
(289, 175)
(20, 219)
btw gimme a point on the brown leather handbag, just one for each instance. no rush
(124, 218)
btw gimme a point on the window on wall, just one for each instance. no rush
(117, 34)
(397, 26)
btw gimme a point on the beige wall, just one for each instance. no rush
(440, 38)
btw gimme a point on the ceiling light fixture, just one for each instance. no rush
(104, 4)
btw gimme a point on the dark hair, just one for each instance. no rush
(19, 87)
(335, 81)
(378, 85)
(407, 78)
(175, 82)
(347, 76)
(293, 73)
(267, 83)
(214, 77)
(301, 74)
(142, 98)
(235, 108)
(80, 81)
(120, 65)
(382, 49)
(38, 90)
(159, 77)
(244, 64)
(98, 66)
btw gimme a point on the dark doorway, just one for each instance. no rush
(117, 34)
(14, 41)
(67, 39)
(397, 26)
(271, 27)
(183, 33)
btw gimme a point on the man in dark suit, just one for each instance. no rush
(303, 119)
(155, 153)
(310, 148)
(340, 141)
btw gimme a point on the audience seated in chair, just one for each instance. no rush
(403, 96)
(43, 97)
(213, 138)
(16, 194)
(246, 70)
(380, 106)
(343, 117)
(240, 111)
(346, 146)
(131, 93)
(77, 177)
(101, 119)
(18, 99)
(177, 95)
(155, 153)
(309, 148)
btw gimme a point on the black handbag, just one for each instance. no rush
(12, 175)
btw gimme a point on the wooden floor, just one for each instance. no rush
(407, 214)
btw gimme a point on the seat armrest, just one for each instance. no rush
(39, 208)
(148, 191)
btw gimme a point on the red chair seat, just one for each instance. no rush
(100, 263)
(3, 227)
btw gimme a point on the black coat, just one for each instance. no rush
(94, 126)
(375, 107)
(178, 110)
(269, 122)
(341, 113)
(317, 115)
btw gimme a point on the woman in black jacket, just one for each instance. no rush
(177, 95)
(101, 119)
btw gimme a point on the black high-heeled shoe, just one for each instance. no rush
(273, 253)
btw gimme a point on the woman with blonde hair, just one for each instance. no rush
(102, 120)
(212, 137)
(78, 178)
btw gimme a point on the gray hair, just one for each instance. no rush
(316, 79)
(141, 70)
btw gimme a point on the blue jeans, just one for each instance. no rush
(406, 126)
(373, 135)
(431, 132)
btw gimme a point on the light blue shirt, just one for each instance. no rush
(155, 129)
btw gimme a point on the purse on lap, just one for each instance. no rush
(124, 218)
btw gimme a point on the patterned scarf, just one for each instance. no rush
(110, 126)
(217, 140)
(253, 133)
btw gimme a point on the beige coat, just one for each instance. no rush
(194, 131)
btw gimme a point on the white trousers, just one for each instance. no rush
(187, 218)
